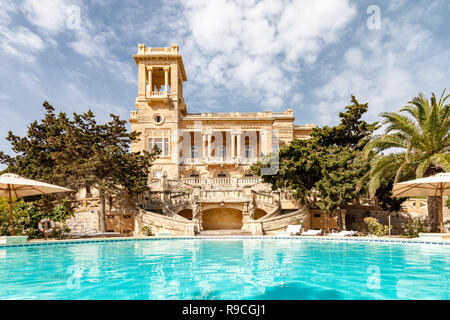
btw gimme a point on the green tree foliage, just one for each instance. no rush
(27, 216)
(81, 153)
(419, 139)
(412, 227)
(376, 228)
(329, 165)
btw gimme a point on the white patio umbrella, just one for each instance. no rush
(14, 186)
(437, 185)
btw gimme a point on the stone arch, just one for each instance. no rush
(221, 174)
(259, 213)
(186, 213)
(221, 218)
(191, 173)
(248, 173)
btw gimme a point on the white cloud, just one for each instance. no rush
(20, 42)
(7, 7)
(49, 16)
(391, 66)
(92, 44)
(4, 96)
(79, 98)
(250, 46)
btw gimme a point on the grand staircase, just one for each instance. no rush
(172, 200)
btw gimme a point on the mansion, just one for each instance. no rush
(202, 183)
(202, 179)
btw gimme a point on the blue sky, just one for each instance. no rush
(239, 55)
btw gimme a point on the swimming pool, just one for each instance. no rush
(225, 269)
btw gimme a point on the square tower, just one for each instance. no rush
(159, 104)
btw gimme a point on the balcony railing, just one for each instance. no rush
(191, 161)
(157, 94)
(219, 160)
(221, 181)
(248, 160)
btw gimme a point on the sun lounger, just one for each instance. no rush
(343, 233)
(312, 232)
(291, 230)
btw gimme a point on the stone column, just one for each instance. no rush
(233, 145)
(166, 80)
(150, 83)
(238, 155)
(141, 81)
(204, 139)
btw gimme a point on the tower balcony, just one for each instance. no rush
(157, 95)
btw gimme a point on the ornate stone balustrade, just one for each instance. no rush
(238, 182)
(134, 115)
(220, 160)
(143, 50)
(248, 180)
(252, 115)
(415, 205)
(191, 161)
(222, 195)
(193, 181)
(157, 94)
(86, 204)
(248, 160)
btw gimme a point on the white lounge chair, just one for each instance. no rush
(312, 232)
(291, 230)
(344, 233)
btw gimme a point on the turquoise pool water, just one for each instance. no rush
(226, 269)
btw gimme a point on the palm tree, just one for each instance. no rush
(417, 143)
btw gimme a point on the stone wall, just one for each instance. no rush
(356, 214)
(161, 223)
(84, 222)
(280, 222)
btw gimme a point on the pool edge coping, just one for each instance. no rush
(296, 238)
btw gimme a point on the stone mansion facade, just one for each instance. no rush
(202, 178)
(202, 182)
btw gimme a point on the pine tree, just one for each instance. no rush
(81, 153)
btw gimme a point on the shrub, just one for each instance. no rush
(376, 228)
(147, 231)
(27, 216)
(414, 226)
